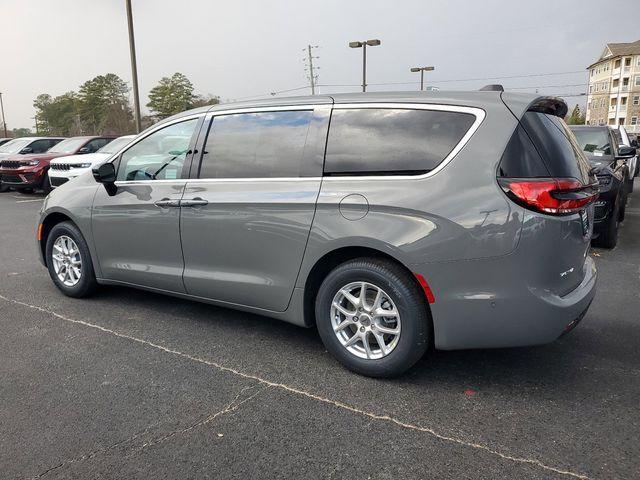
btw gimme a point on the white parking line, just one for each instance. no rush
(34, 200)
(374, 416)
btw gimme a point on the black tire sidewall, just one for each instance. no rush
(409, 300)
(87, 279)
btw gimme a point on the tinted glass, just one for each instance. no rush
(97, 144)
(40, 146)
(256, 145)
(392, 141)
(70, 145)
(595, 141)
(521, 159)
(556, 145)
(160, 156)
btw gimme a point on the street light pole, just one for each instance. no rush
(4, 123)
(134, 68)
(422, 70)
(363, 45)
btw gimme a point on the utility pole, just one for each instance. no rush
(134, 68)
(4, 122)
(363, 45)
(313, 77)
(422, 70)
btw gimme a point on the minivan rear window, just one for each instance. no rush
(557, 146)
(392, 141)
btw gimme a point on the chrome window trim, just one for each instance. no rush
(479, 113)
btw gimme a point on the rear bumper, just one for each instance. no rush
(488, 304)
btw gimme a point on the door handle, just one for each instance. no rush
(167, 203)
(194, 202)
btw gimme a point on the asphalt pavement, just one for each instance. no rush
(130, 384)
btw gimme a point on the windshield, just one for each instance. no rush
(14, 146)
(70, 145)
(115, 145)
(594, 141)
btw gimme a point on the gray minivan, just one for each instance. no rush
(391, 221)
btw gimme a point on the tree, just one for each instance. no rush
(172, 95)
(104, 105)
(204, 100)
(22, 132)
(59, 115)
(576, 117)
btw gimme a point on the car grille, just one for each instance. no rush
(56, 182)
(60, 166)
(10, 164)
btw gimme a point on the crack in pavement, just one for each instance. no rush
(375, 416)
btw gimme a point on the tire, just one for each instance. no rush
(86, 284)
(398, 288)
(622, 212)
(4, 188)
(608, 238)
(24, 191)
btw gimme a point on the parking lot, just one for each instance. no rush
(130, 384)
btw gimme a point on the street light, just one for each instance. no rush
(363, 45)
(422, 70)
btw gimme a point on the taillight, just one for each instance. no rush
(556, 196)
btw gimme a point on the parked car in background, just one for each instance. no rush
(404, 222)
(609, 162)
(25, 146)
(623, 139)
(63, 169)
(30, 170)
(4, 140)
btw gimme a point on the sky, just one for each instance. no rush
(244, 49)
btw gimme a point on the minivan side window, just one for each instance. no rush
(159, 156)
(256, 145)
(391, 141)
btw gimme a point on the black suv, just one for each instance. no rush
(608, 161)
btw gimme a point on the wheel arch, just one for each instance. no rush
(48, 222)
(332, 259)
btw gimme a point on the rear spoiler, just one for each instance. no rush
(520, 103)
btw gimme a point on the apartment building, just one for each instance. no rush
(613, 96)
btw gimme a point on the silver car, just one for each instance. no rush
(391, 222)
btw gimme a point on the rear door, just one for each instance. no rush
(246, 216)
(136, 229)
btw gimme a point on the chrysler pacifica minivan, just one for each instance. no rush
(391, 222)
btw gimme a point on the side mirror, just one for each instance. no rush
(84, 150)
(26, 150)
(626, 152)
(106, 175)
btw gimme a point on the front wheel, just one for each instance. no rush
(69, 262)
(608, 238)
(372, 317)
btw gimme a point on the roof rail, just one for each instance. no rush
(494, 87)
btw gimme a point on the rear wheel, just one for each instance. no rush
(608, 238)
(372, 316)
(25, 191)
(69, 262)
(4, 188)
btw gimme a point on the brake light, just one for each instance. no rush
(556, 196)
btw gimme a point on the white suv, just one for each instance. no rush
(64, 169)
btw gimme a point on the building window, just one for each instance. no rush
(627, 62)
(623, 101)
(601, 121)
(625, 82)
(616, 64)
(634, 120)
(638, 61)
(637, 81)
(602, 102)
(590, 88)
(594, 71)
(636, 99)
(616, 82)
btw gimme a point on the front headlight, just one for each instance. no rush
(84, 165)
(31, 163)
